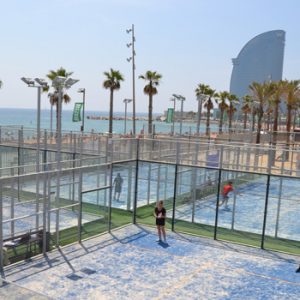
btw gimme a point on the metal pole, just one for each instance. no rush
(265, 213)
(38, 139)
(58, 157)
(83, 111)
(45, 181)
(80, 206)
(133, 80)
(218, 194)
(1, 229)
(278, 208)
(136, 181)
(174, 108)
(39, 91)
(125, 117)
(174, 196)
(181, 116)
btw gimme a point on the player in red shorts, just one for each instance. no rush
(226, 190)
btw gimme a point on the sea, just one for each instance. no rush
(28, 119)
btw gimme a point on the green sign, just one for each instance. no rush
(170, 115)
(77, 112)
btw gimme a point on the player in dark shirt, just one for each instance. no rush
(160, 215)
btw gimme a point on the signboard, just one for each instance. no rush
(170, 115)
(77, 112)
(212, 160)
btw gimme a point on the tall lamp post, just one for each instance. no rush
(126, 101)
(41, 83)
(59, 83)
(182, 99)
(173, 125)
(82, 90)
(132, 58)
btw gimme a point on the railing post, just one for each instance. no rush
(218, 193)
(174, 197)
(136, 181)
(265, 213)
(1, 229)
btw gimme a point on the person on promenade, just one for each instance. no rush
(160, 215)
(118, 181)
(226, 190)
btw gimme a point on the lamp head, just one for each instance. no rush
(28, 81)
(129, 59)
(70, 81)
(58, 81)
(127, 100)
(128, 45)
(41, 82)
(128, 30)
(81, 90)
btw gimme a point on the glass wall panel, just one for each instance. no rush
(283, 215)
(155, 182)
(240, 218)
(196, 194)
(95, 210)
(123, 192)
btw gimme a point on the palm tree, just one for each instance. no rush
(53, 97)
(112, 82)
(153, 79)
(233, 99)
(246, 108)
(209, 105)
(261, 93)
(223, 96)
(292, 98)
(200, 92)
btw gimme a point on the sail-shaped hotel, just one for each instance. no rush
(260, 60)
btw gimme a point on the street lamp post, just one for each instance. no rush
(59, 83)
(126, 101)
(132, 58)
(83, 107)
(173, 125)
(41, 84)
(182, 99)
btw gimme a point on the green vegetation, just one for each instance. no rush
(153, 80)
(112, 83)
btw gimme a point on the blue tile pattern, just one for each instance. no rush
(130, 264)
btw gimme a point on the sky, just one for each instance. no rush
(187, 41)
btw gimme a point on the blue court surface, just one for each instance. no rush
(130, 264)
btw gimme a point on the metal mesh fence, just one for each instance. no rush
(101, 183)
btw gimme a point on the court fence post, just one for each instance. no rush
(1, 230)
(174, 197)
(218, 193)
(136, 181)
(265, 213)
